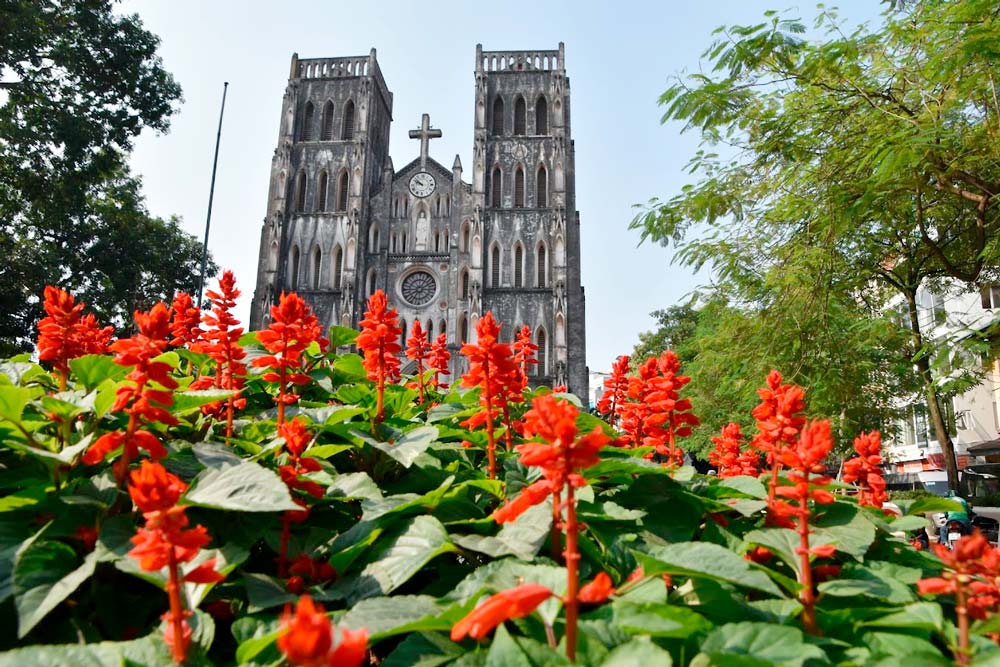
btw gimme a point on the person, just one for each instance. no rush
(963, 516)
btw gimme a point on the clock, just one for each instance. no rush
(422, 184)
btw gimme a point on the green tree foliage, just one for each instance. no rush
(77, 85)
(867, 158)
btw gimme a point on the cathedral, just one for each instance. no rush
(342, 221)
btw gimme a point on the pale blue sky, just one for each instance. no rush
(619, 57)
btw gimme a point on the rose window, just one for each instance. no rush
(418, 288)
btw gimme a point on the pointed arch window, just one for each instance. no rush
(464, 247)
(463, 328)
(542, 267)
(519, 187)
(541, 116)
(496, 185)
(542, 187)
(338, 266)
(498, 116)
(347, 131)
(300, 192)
(322, 190)
(443, 328)
(495, 266)
(465, 284)
(402, 332)
(306, 131)
(518, 265)
(371, 282)
(295, 268)
(326, 133)
(520, 114)
(543, 356)
(342, 190)
(317, 258)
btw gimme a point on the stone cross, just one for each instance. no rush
(425, 134)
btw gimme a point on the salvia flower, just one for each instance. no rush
(726, 455)
(418, 348)
(293, 328)
(524, 353)
(306, 638)
(147, 395)
(615, 390)
(440, 357)
(185, 321)
(513, 603)
(166, 541)
(865, 470)
(598, 590)
(779, 421)
(379, 341)
(296, 441)
(66, 333)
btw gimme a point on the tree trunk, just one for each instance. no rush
(934, 413)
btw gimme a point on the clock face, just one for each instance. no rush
(422, 184)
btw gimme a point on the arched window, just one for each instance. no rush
(402, 332)
(541, 116)
(326, 133)
(306, 131)
(542, 352)
(519, 187)
(272, 260)
(520, 112)
(541, 187)
(465, 283)
(496, 185)
(338, 266)
(342, 190)
(518, 265)
(495, 266)
(430, 330)
(300, 192)
(294, 278)
(464, 247)
(463, 328)
(322, 190)
(373, 238)
(347, 132)
(498, 116)
(317, 258)
(542, 266)
(371, 282)
(443, 329)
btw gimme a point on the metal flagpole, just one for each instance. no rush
(211, 194)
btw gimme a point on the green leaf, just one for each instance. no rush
(13, 399)
(922, 506)
(657, 619)
(637, 652)
(352, 486)
(752, 644)
(247, 487)
(703, 559)
(405, 450)
(400, 556)
(264, 592)
(522, 538)
(190, 401)
(148, 651)
(400, 614)
(43, 577)
(918, 616)
(92, 369)
(750, 486)
(424, 649)
(508, 651)
(340, 336)
(844, 525)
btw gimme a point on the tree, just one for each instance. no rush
(876, 148)
(78, 85)
(675, 327)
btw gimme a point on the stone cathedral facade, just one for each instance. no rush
(342, 221)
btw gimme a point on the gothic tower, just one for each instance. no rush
(342, 222)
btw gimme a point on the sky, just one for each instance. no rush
(620, 56)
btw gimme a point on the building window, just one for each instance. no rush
(540, 367)
(518, 266)
(347, 133)
(542, 187)
(371, 282)
(338, 266)
(496, 184)
(295, 268)
(520, 113)
(498, 116)
(465, 284)
(402, 333)
(326, 134)
(495, 266)
(541, 116)
(990, 295)
(322, 191)
(317, 258)
(463, 328)
(342, 191)
(306, 131)
(541, 268)
(519, 187)
(443, 329)
(300, 192)
(464, 247)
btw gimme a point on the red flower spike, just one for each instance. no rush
(524, 353)
(67, 334)
(615, 390)
(492, 369)
(306, 638)
(418, 349)
(297, 439)
(531, 495)
(379, 340)
(516, 602)
(778, 422)
(153, 488)
(726, 455)
(865, 470)
(440, 356)
(185, 321)
(597, 591)
(293, 328)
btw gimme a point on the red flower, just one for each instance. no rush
(726, 455)
(296, 440)
(865, 470)
(491, 368)
(516, 602)
(67, 334)
(524, 353)
(531, 495)
(657, 416)
(440, 356)
(153, 488)
(598, 590)
(418, 349)
(88, 536)
(615, 390)
(293, 328)
(185, 323)
(379, 340)
(306, 638)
